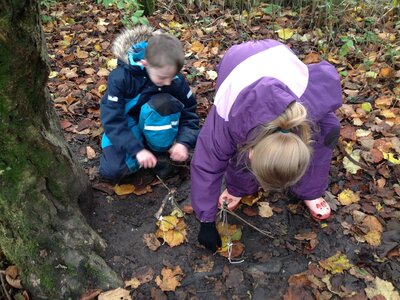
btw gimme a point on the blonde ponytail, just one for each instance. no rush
(280, 151)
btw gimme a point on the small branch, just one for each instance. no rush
(4, 285)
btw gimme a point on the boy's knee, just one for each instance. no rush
(112, 167)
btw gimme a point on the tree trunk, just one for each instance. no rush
(42, 230)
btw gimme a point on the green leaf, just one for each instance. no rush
(144, 21)
(120, 4)
(134, 20)
(138, 13)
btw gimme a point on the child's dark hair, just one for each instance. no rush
(164, 49)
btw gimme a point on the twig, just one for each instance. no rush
(353, 160)
(4, 285)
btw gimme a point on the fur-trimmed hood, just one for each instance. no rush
(122, 45)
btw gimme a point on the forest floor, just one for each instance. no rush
(352, 255)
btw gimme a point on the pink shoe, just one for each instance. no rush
(319, 208)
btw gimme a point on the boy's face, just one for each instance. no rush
(160, 76)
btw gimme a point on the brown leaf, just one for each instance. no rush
(253, 198)
(250, 211)
(306, 236)
(90, 294)
(237, 250)
(12, 272)
(348, 132)
(311, 58)
(187, 209)
(170, 279)
(151, 241)
(144, 190)
(117, 294)
(206, 265)
(90, 153)
(15, 283)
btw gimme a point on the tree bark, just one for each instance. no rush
(42, 230)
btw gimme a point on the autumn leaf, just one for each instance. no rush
(167, 223)
(253, 198)
(351, 167)
(134, 283)
(172, 237)
(347, 196)
(285, 34)
(211, 75)
(117, 294)
(265, 210)
(90, 153)
(390, 157)
(169, 279)
(151, 241)
(124, 189)
(373, 238)
(234, 232)
(237, 249)
(196, 47)
(336, 263)
(384, 288)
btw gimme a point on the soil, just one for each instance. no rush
(267, 263)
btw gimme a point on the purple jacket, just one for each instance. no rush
(256, 82)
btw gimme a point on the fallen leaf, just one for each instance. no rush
(90, 294)
(373, 238)
(234, 232)
(336, 263)
(312, 58)
(144, 190)
(196, 47)
(12, 272)
(372, 223)
(117, 294)
(285, 34)
(124, 189)
(177, 213)
(167, 223)
(384, 288)
(170, 279)
(237, 250)
(264, 210)
(151, 241)
(306, 236)
(90, 153)
(211, 75)
(172, 237)
(206, 265)
(250, 211)
(351, 167)
(134, 283)
(15, 283)
(187, 209)
(253, 198)
(390, 157)
(347, 197)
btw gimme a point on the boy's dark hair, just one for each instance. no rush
(164, 49)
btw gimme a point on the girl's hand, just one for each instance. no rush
(146, 159)
(178, 152)
(232, 201)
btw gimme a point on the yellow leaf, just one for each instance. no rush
(124, 189)
(97, 47)
(390, 157)
(170, 279)
(387, 113)
(264, 210)
(383, 102)
(371, 74)
(172, 237)
(211, 75)
(253, 198)
(102, 88)
(373, 238)
(285, 34)
(167, 223)
(111, 64)
(81, 54)
(53, 74)
(382, 288)
(336, 263)
(349, 165)
(232, 229)
(197, 47)
(134, 283)
(347, 197)
(175, 25)
(366, 106)
(177, 213)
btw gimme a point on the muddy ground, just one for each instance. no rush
(268, 263)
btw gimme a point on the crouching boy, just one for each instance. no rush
(149, 109)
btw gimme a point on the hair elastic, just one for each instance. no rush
(283, 130)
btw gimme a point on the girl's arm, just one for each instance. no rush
(213, 150)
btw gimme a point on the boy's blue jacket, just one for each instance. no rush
(129, 87)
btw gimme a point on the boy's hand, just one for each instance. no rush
(232, 201)
(178, 152)
(146, 159)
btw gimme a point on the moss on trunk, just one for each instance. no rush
(41, 228)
